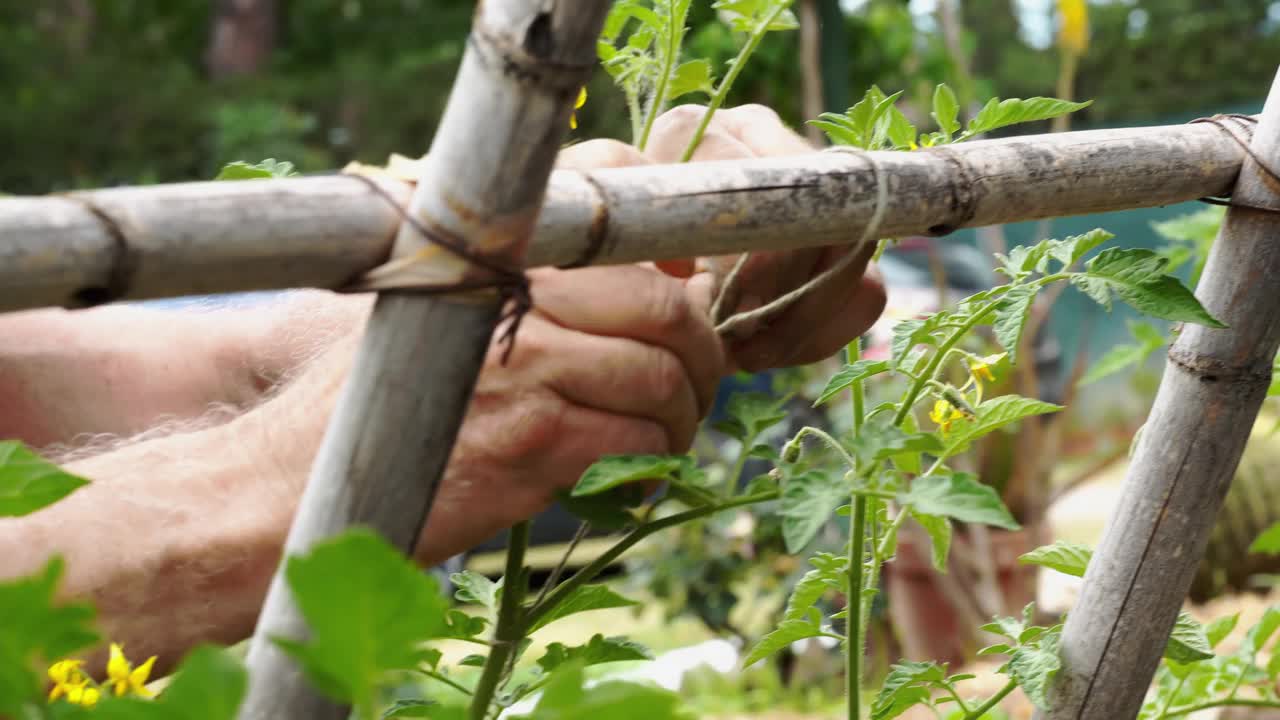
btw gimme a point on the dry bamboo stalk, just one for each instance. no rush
(322, 232)
(395, 423)
(1213, 385)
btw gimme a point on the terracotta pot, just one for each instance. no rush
(931, 624)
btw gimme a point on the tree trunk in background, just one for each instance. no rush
(994, 23)
(811, 66)
(241, 37)
(834, 51)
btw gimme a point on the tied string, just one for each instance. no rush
(727, 323)
(1247, 123)
(512, 285)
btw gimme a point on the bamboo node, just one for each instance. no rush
(1269, 175)
(599, 228)
(1212, 370)
(530, 61)
(860, 251)
(397, 274)
(123, 261)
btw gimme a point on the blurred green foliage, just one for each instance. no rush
(104, 92)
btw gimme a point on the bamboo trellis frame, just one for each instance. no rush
(324, 232)
(393, 430)
(1210, 393)
(212, 237)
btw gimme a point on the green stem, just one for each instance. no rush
(1164, 711)
(995, 700)
(931, 370)
(447, 681)
(675, 38)
(722, 90)
(633, 108)
(853, 648)
(1225, 702)
(855, 628)
(918, 386)
(830, 441)
(597, 566)
(510, 628)
(955, 695)
(735, 475)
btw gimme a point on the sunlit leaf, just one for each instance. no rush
(1011, 318)
(907, 684)
(36, 627)
(958, 496)
(692, 76)
(265, 170)
(29, 483)
(598, 650)
(998, 113)
(946, 111)
(787, 632)
(994, 414)
(1137, 276)
(808, 499)
(368, 610)
(939, 530)
(850, 374)
(1063, 556)
(1267, 542)
(1188, 642)
(584, 599)
(566, 697)
(611, 471)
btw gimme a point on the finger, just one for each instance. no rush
(673, 130)
(479, 498)
(613, 374)
(586, 435)
(599, 154)
(760, 129)
(638, 303)
(676, 268)
(843, 309)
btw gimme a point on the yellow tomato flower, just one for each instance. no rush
(981, 371)
(123, 677)
(83, 695)
(582, 100)
(69, 681)
(944, 414)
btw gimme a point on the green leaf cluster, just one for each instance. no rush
(369, 611)
(29, 483)
(1192, 676)
(265, 170)
(876, 123)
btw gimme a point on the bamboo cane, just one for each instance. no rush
(202, 238)
(396, 420)
(1213, 385)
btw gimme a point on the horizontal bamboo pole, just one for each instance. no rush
(217, 237)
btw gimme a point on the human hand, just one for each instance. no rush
(612, 360)
(818, 324)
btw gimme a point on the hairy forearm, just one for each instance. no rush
(174, 540)
(176, 537)
(120, 370)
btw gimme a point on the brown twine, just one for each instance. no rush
(512, 285)
(1248, 122)
(727, 323)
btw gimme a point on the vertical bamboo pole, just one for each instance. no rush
(1213, 384)
(395, 423)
